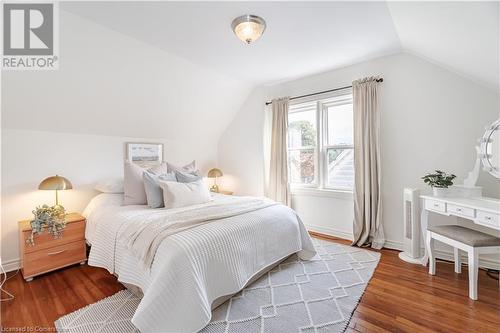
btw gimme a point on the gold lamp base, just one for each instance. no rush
(214, 188)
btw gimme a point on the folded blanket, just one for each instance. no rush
(143, 238)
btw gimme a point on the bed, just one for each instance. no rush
(194, 269)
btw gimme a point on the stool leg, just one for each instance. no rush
(473, 269)
(430, 250)
(458, 260)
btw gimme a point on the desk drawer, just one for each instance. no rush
(437, 206)
(488, 219)
(461, 211)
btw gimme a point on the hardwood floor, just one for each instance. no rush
(401, 297)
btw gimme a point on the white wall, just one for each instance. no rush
(240, 148)
(431, 118)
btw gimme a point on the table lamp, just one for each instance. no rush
(214, 173)
(55, 183)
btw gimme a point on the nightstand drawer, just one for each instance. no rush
(48, 259)
(73, 232)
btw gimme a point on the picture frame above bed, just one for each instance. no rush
(144, 153)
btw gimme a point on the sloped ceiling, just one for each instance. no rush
(304, 38)
(111, 84)
(171, 69)
(460, 36)
(301, 37)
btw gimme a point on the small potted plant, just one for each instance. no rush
(439, 181)
(50, 218)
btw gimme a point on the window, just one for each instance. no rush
(320, 143)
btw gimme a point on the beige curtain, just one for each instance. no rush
(368, 229)
(278, 188)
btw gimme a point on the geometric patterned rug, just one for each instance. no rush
(317, 296)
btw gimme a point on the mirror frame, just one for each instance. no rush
(485, 141)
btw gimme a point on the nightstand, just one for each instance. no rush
(49, 253)
(226, 192)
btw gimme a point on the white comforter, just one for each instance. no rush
(194, 267)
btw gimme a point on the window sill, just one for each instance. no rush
(316, 192)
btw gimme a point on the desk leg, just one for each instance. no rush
(424, 221)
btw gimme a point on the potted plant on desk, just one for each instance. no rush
(439, 181)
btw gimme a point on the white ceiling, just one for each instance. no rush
(460, 36)
(303, 38)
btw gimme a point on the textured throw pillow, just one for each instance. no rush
(187, 177)
(133, 185)
(113, 185)
(159, 169)
(184, 194)
(191, 167)
(154, 193)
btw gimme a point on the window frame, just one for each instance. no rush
(322, 103)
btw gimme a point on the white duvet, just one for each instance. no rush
(194, 267)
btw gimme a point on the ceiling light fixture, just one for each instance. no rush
(248, 28)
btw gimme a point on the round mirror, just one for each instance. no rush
(490, 149)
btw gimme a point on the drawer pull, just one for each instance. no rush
(436, 205)
(54, 253)
(487, 218)
(459, 209)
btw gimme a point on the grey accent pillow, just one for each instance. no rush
(154, 193)
(187, 177)
(191, 167)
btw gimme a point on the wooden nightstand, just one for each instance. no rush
(49, 253)
(226, 192)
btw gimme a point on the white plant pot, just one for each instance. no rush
(440, 192)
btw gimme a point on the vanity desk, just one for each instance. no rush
(480, 210)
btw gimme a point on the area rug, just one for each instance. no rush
(318, 296)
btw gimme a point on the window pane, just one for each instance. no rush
(302, 129)
(340, 168)
(301, 165)
(340, 125)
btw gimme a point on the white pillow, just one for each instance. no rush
(133, 185)
(112, 185)
(184, 194)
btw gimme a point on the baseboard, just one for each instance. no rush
(11, 265)
(395, 245)
(329, 231)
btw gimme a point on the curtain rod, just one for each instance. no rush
(323, 92)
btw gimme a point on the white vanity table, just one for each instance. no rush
(465, 200)
(479, 210)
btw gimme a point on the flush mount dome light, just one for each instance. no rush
(248, 28)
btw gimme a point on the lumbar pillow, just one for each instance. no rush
(184, 194)
(133, 185)
(191, 167)
(112, 185)
(154, 193)
(187, 177)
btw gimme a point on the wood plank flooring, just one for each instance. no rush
(401, 297)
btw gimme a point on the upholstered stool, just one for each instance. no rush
(461, 238)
